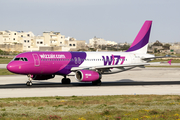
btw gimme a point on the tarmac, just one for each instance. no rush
(138, 81)
(3, 66)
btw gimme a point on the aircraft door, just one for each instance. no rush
(36, 60)
(132, 58)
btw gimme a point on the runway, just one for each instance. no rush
(3, 66)
(160, 81)
(55, 85)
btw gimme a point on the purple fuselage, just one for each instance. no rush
(43, 63)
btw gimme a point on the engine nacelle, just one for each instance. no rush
(87, 75)
(42, 77)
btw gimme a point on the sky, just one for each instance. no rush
(112, 20)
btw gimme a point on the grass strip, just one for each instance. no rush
(118, 107)
(5, 60)
(5, 72)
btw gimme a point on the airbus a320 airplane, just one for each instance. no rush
(88, 66)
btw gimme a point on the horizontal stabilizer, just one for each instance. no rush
(169, 62)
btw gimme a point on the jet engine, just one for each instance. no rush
(42, 77)
(87, 75)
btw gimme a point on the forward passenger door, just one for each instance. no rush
(36, 60)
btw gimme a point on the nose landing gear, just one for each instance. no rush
(29, 82)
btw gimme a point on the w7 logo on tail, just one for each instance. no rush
(113, 60)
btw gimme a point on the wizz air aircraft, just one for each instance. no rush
(88, 66)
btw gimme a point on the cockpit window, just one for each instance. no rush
(25, 59)
(20, 59)
(16, 59)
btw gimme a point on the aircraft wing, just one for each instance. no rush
(109, 66)
(149, 58)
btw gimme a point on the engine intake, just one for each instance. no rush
(87, 75)
(42, 77)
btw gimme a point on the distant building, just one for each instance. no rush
(111, 43)
(12, 48)
(95, 42)
(10, 38)
(60, 42)
(157, 46)
(71, 43)
(81, 45)
(53, 38)
(175, 48)
(74, 44)
(49, 41)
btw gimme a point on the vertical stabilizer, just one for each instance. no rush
(140, 43)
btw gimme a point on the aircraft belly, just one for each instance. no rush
(116, 70)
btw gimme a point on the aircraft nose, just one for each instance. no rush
(11, 67)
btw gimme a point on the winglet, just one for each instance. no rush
(169, 62)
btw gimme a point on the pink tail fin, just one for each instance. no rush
(142, 39)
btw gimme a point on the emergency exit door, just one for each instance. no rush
(36, 60)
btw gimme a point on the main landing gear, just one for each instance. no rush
(97, 82)
(65, 80)
(29, 82)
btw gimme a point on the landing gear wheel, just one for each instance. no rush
(29, 83)
(63, 81)
(66, 81)
(96, 83)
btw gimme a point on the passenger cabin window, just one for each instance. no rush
(20, 59)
